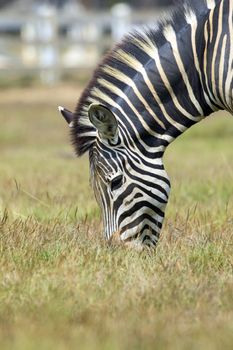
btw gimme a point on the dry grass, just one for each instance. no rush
(63, 287)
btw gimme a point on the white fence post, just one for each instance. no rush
(40, 43)
(121, 20)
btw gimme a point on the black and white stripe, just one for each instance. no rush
(148, 90)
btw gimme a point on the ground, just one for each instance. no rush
(63, 287)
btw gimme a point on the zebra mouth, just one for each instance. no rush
(115, 237)
(146, 237)
(130, 242)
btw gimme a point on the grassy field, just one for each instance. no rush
(63, 287)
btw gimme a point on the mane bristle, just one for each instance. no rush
(83, 133)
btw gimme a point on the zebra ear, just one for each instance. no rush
(104, 121)
(68, 115)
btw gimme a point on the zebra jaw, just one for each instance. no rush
(68, 115)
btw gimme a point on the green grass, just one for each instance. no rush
(63, 287)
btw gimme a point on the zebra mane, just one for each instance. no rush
(83, 133)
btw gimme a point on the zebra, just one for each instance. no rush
(150, 88)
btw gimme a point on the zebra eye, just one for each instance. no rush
(116, 182)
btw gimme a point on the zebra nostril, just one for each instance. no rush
(116, 182)
(138, 195)
(129, 202)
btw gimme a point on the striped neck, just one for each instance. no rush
(155, 82)
(217, 55)
(158, 92)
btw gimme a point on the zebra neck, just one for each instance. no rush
(154, 81)
(217, 58)
(168, 94)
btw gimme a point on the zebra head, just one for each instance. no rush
(131, 190)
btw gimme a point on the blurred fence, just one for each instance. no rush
(48, 43)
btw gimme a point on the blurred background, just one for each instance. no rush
(48, 41)
(60, 284)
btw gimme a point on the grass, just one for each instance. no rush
(63, 287)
